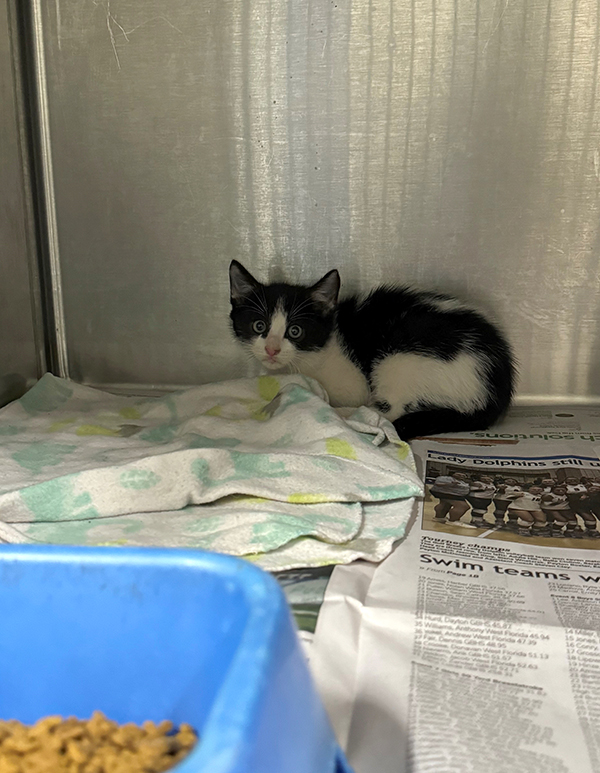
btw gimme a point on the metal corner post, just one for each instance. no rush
(45, 270)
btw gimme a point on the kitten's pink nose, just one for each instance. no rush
(272, 350)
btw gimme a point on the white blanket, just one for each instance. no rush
(262, 468)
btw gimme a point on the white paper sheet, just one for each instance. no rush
(470, 649)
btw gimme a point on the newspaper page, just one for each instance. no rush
(539, 424)
(476, 642)
(304, 590)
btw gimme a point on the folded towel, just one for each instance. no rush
(263, 468)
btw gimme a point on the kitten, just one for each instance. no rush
(427, 362)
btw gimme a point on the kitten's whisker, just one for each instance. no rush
(295, 317)
(297, 308)
(264, 301)
(302, 304)
(257, 305)
(254, 301)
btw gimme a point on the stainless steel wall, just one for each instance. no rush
(18, 348)
(452, 143)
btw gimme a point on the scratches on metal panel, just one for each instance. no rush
(496, 27)
(58, 24)
(126, 33)
(111, 21)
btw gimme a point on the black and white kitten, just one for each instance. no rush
(427, 362)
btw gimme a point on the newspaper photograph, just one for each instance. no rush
(476, 642)
(304, 590)
(549, 500)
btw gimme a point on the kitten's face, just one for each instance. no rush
(279, 322)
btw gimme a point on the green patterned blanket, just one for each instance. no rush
(262, 468)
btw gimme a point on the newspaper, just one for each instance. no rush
(475, 644)
(304, 590)
(545, 424)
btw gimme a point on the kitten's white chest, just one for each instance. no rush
(342, 379)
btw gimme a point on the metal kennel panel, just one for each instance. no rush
(449, 143)
(21, 351)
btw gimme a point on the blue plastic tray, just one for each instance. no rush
(153, 634)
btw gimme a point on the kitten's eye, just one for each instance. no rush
(259, 326)
(295, 331)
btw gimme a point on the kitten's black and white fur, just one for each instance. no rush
(426, 361)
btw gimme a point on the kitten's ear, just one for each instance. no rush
(241, 282)
(325, 291)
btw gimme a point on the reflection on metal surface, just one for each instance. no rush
(20, 351)
(47, 184)
(450, 143)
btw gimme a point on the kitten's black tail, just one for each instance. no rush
(435, 421)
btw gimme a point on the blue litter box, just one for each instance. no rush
(162, 634)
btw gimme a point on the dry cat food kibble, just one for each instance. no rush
(96, 745)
